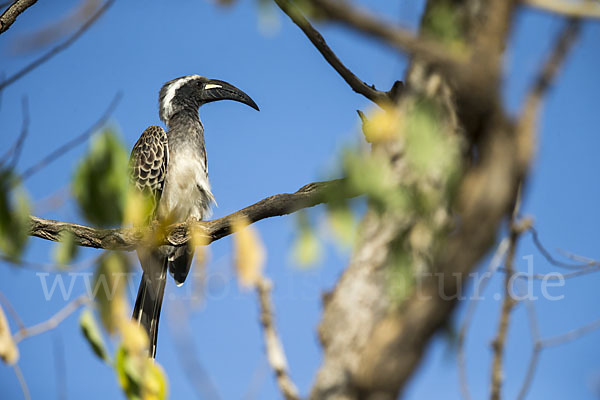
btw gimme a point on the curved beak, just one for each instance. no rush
(219, 90)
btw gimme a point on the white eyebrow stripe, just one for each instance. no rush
(212, 86)
(168, 99)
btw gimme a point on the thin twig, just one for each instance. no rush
(9, 16)
(516, 229)
(536, 350)
(574, 9)
(187, 354)
(53, 321)
(365, 22)
(546, 254)
(527, 122)
(60, 367)
(570, 335)
(15, 150)
(22, 382)
(470, 313)
(54, 268)
(274, 348)
(319, 42)
(57, 49)
(73, 142)
(539, 344)
(552, 276)
(13, 313)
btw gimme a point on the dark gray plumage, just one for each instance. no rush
(172, 168)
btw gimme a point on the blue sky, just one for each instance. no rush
(307, 115)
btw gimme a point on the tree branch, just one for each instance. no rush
(54, 51)
(527, 123)
(73, 142)
(573, 9)
(470, 313)
(319, 42)
(508, 304)
(10, 15)
(366, 23)
(14, 153)
(128, 238)
(274, 348)
(53, 321)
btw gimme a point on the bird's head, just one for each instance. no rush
(191, 92)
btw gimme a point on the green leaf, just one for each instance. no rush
(139, 376)
(101, 180)
(14, 216)
(92, 333)
(66, 249)
(127, 374)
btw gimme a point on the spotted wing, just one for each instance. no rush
(148, 161)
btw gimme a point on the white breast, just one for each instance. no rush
(187, 190)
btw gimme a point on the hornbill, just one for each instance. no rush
(171, 166)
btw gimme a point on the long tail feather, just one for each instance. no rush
(150, 295)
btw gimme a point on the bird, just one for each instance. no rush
(170, 167)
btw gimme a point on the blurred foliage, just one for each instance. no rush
(416, 191)
(92, 333)
(307, 249)
(9, 353)
(101, 181)
(248, 251)
(444, 24)
(139, 207)
(66, 249)
(140, 377)
(110, 281)
(14, 216)
(342, 222)
(372, 175)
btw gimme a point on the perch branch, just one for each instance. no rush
(128, 238)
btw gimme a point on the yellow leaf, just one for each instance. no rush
(155, 383)
(382, 125)
(249, 253)
(8, 349)
(134, 337)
